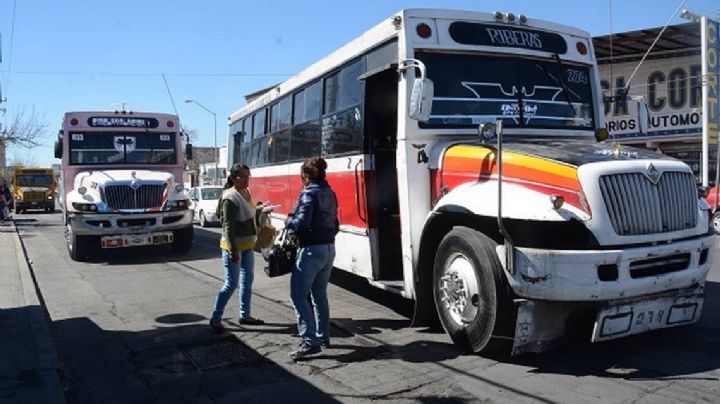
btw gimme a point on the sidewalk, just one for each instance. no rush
(28, 362)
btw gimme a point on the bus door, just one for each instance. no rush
(380, 128)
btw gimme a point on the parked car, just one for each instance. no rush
(204, 201)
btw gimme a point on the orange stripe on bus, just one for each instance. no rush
(519, 166)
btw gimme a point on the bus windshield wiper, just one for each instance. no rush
(565, 90)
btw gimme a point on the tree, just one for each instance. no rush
(26, 128)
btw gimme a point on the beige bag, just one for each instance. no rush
(265, 237)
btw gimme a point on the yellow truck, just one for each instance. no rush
(34, 188)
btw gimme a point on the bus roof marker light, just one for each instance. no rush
(523, 19)
(423, 30)
(557, 201)
(581, 48)
(74, 122)
(170, 124)
(510, 17)
(498, 16)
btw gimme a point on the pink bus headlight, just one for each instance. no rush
(84, 207)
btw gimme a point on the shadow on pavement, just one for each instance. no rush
(184, 363)
(360, 286)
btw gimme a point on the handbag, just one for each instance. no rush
(265, 237)
(266, 232)
(281, 257)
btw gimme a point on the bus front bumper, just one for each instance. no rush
(601, 275)
(39, 204)
(100, 224)
(627, 291)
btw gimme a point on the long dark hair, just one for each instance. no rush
(235, 171)
(314, 168)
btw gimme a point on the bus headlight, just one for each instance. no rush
(180, 204)
(84, 207)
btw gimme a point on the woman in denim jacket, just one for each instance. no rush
(315, 224)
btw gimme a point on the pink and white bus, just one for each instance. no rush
(121, 182)
(502, 234)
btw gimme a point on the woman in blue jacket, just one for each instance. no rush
(315, 224)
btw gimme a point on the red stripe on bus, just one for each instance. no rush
(349, 186)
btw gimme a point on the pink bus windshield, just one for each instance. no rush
(122, 148)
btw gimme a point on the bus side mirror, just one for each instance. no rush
(188, 151)
(420, 102)
(58, 149)
(643, 115)
(421, 94)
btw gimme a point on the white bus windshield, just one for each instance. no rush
(523, 92)
(108, 148)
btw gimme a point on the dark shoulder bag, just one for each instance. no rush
(281, 255)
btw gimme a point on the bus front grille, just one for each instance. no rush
(638, 206)
(126, 197)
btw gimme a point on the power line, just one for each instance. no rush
(139, 74)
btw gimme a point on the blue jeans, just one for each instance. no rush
(311, 275)
(234, 271)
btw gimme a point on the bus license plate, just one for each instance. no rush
(136, 240)
(634, 318)
(161, 239)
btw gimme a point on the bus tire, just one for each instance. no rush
(182, 240)
(79, 247)
(715, 222)
(471, 294)
(203, 220)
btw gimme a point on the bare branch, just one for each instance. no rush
(26, 129)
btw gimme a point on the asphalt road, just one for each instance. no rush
(131, 326)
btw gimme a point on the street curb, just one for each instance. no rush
(48, 361)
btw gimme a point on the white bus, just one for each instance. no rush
(570, 225)
(121, 181)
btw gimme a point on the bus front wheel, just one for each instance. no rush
(715, 222)
(471, 294)
(79, 247)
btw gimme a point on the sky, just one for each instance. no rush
(79, 55)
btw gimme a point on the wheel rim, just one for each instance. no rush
(716, 223)
(459, 289)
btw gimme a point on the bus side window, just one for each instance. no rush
(258, 121)
(306, 134)
(342, 122)
(278, 142)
